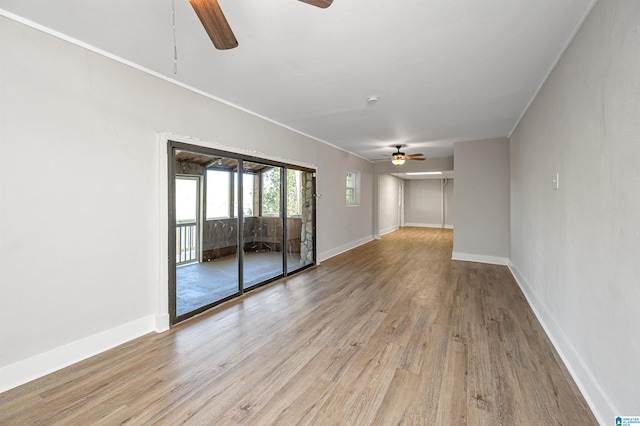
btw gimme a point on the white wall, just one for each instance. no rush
(424, 203)
(576, 250)
(341, 228)
(448, 203)
(80, 197)
(481, 201)
(388, 203)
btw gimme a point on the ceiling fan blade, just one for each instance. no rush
(408, 157)
(215, 23)
(415, 155)
(319, 3)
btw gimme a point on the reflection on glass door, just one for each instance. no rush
(262, 229)
(211, 274)
(300, 220)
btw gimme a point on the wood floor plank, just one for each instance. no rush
(396, 408)
(425, 398)
(480, 392)
(392, 332)
(452, 405)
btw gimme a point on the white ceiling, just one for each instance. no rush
(444, 70)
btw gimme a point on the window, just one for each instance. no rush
(247, 194)
(218, 194)
(271, 192)
(353, 188)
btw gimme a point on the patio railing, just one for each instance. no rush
(186, 243)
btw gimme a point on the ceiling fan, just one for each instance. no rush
(216, 25)
(398, 158)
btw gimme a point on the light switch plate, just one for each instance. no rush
(556, 181)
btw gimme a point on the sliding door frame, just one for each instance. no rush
(172, 147)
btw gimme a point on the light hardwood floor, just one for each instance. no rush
(393, 332)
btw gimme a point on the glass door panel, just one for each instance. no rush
(213, 273)
(300, 220)
(262, 224)
(187, 229)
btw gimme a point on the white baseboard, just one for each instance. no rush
(387, 231)
(494, 260)
(42, 364)
(424, 225)
(428, 225)
(345, 247)
(593, 394)
(163, 323)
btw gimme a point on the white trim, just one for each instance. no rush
(387, 231)
(165, 137)
(448, 227)
(116, 58)
(42, 364)
(163, 320)
(356, 187)
(468, 257)
(343, 248)
(553, 66)
(582, 376)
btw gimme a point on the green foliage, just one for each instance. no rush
(294, 192)
(271, 192)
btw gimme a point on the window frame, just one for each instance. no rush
(355, 188)
(245, 188)
(230, 187)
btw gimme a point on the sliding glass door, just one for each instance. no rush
(228, 232)
(262, 229)
(209, 275)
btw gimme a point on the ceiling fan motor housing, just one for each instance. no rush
(399, 155)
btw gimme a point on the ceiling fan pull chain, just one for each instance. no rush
(175, 47)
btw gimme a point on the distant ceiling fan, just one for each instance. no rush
(216, 25)
(398, 158)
